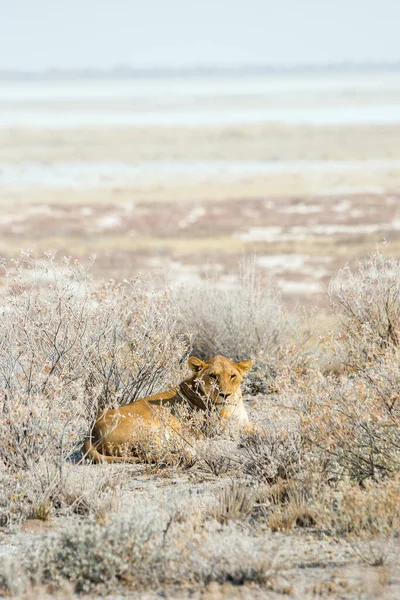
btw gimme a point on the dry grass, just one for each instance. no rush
(145, 550)
(235, 503)
(214, 507)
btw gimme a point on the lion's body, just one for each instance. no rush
(216, 382)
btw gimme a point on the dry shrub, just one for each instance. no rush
(41, 492)
(293, 515)
(351, 425)
(372, 509)
(102, 558)
(366, 303)
(231, 557)
(140, 353)
(203, 424)
(143, 551)
(265, 454)
(351, 418)
(68, 348)
(41, 426)
(210, 440)
(270, 455)
(118, 340)
(90, 494)
(218, 456)
(369, 517)
(27, 494)
(241, 321)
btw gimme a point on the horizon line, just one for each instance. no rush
(196, 69)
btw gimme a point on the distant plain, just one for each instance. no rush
(180, 176)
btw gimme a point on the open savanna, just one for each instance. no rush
(240, 225)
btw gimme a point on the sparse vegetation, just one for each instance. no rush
(67, 349)
(241, 321)
(366, 302)
(317, 478)
(270, 455)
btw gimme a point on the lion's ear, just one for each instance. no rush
(195, 364)
(244, 366)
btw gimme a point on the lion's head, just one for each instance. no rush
(220, 377)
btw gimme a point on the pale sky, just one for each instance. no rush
(39, 34)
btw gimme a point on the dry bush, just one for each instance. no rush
(144, 550)
(270, 455)
(293, 515)
(266, 454)
(203, 424)
(95, 494)
(350, 419)
(241, 321)
(209, 440)
(95, 557)
(350, 426)
(41, 492)
(374, 509)
(27, 494)
(369, 517)
(218, 456)
(68, 348)
(118, 340)
(42, 426)
(229, 556)
(366, 303)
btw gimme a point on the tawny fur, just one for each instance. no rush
(216, 381)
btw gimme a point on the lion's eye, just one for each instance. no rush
(212, 376)
(233, 376)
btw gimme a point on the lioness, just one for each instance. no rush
(216, 381)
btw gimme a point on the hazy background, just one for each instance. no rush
(178, 137)
(105, 33)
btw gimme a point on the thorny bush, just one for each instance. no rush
(350, 426)
(69, 348)
(350, 421)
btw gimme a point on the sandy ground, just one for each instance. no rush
(233, 142)
(307, 563)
